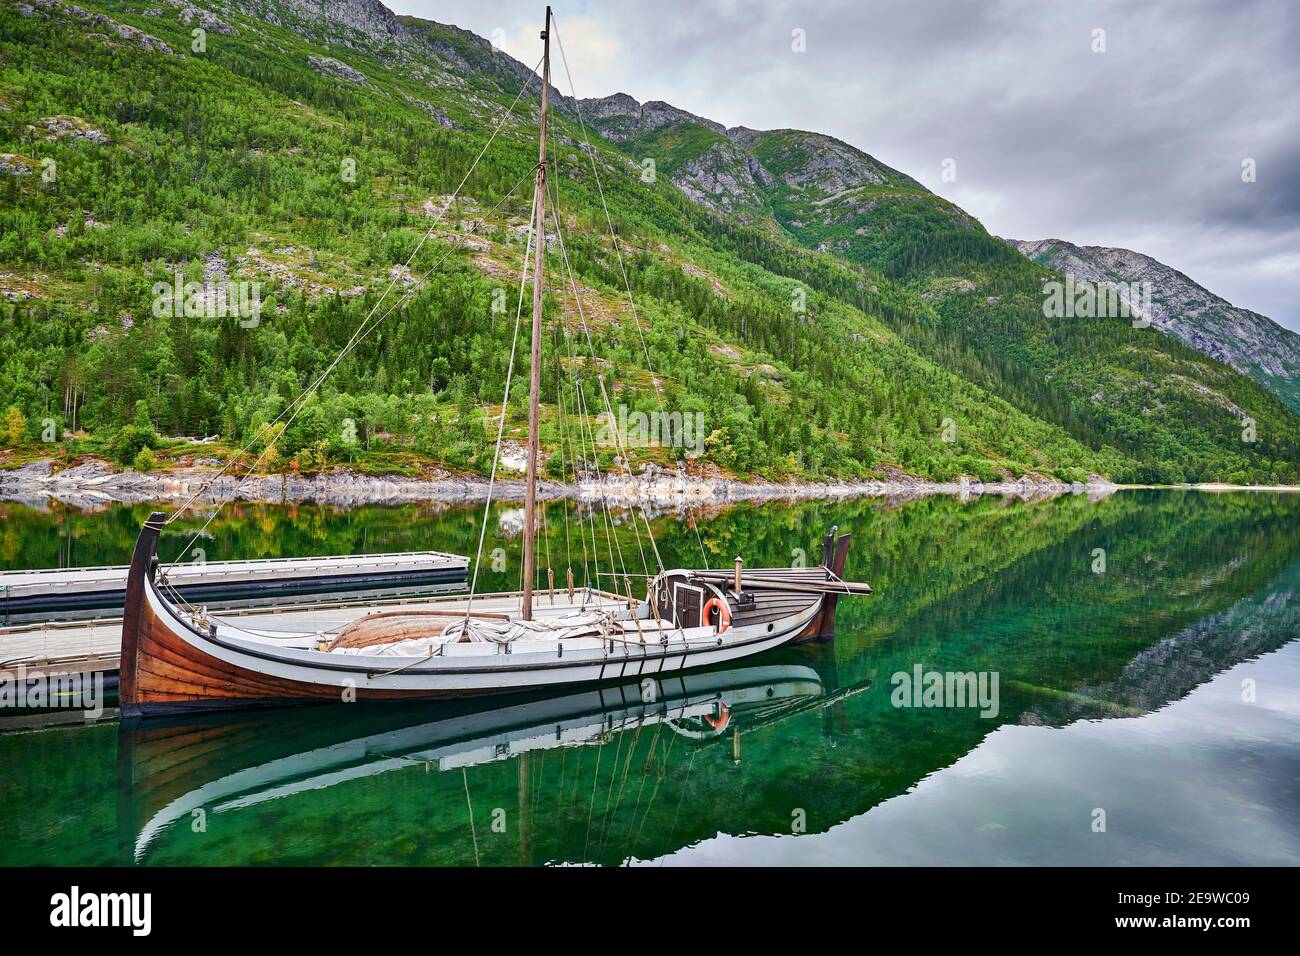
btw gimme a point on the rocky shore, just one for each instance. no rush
(95, 483)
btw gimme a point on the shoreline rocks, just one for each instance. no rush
(94, 483)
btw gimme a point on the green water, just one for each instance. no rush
(1163, 693)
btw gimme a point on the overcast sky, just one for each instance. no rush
(1140, 146)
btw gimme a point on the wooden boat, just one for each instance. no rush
(177, 658)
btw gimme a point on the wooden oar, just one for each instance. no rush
(804, 587)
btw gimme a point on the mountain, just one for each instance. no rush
(1248, 341)
(821, 190)
(823, 313)
(980, 305)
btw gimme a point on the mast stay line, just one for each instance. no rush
(627, 285)
(300, 401)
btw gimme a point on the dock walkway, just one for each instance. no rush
(70, 588)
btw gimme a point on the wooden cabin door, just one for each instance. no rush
(688, 600)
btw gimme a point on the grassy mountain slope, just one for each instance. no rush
(313, 168)
(975, 305)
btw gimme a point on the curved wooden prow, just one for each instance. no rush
(835, 551)
(144, 564)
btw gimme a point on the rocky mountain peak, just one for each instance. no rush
(1248, 341)
(627, 119)
(616, 104)
(365, 16)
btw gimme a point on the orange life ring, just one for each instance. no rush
(724, 613)
(720, 722)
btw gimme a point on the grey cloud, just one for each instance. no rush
(1143, 142)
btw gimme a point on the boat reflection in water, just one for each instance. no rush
(172, 772)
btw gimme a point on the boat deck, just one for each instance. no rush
(95, 645)
(770, 606)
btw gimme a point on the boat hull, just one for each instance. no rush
(172, 666)
(177, 669)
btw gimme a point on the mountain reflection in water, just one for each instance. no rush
(1162, 691)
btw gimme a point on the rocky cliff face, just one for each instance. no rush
(620, 118)
(815, 162)
(694, 152)
(798, 179)
(1248, 341)
(369, 17)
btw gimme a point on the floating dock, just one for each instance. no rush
(79, 588)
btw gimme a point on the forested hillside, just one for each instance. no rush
(970, 302)
(824, 321)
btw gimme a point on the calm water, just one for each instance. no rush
(1161, 697)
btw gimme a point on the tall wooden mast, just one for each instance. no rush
(535, 377)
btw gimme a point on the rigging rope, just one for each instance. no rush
(627, 285)
(584, 426)
(300, 401)
(360, 336)
(505, 399)
(600, 380)
(579, 455)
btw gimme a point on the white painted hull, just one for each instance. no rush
(468, 669)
